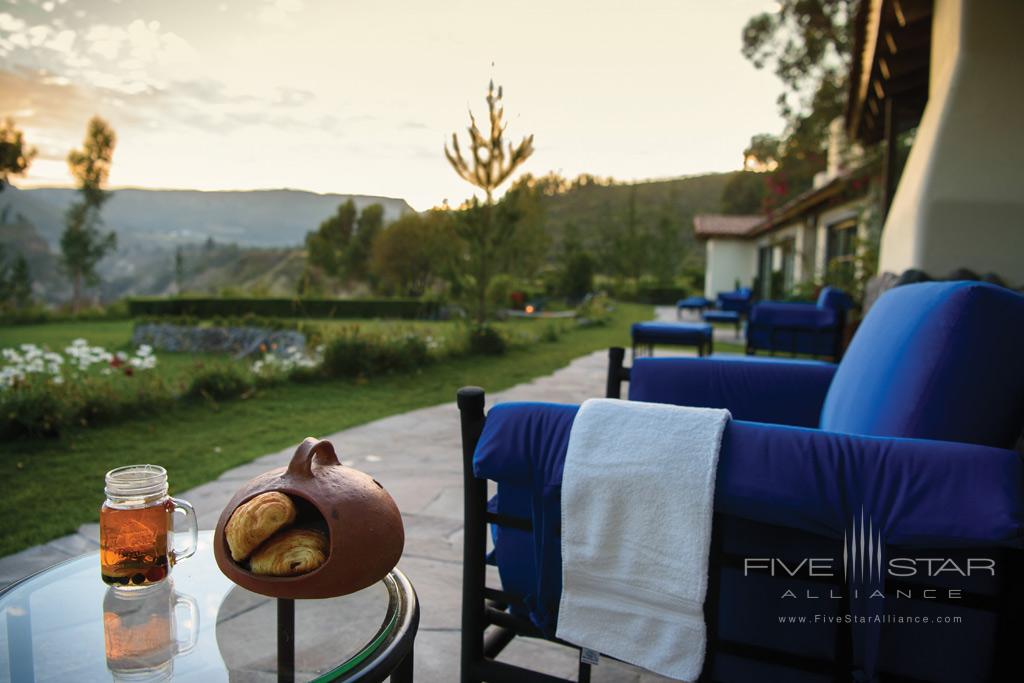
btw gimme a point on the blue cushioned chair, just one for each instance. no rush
(738, 300)
(730, 307)
(812, 329)
(691, 303)
(907, 442)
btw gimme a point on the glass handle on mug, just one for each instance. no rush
(189, 644)
(186, 509)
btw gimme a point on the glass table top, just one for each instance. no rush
(66, 624)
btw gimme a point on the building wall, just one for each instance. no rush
(728, 260)
(960, 200)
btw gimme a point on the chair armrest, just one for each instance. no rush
(915, 491)
(768, 390)
(792, 315)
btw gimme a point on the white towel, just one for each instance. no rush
(637, 497)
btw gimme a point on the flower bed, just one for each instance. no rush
(44, 391)
(240, 341)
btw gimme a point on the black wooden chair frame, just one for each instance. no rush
(705, 347)
(488, 627)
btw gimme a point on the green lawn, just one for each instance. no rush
(53, 486)
(113, 335)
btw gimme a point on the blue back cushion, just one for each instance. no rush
(833, 298)
(936, 360)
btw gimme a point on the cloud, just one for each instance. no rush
(129, 58)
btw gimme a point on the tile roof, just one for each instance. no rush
(718, 225)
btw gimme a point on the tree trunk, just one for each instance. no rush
(483, 274)
(76, 292)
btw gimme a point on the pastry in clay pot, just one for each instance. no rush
(351, 510)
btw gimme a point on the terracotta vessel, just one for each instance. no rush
(363, 523)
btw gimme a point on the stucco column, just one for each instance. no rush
(960, 200)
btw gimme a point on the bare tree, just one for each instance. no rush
(487, 166)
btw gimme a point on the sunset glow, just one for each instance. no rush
(360, 97)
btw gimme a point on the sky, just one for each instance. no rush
(360, 97)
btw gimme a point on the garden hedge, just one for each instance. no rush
(212, 307)
(660, 296)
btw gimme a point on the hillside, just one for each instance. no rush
(255, 235)
(258, 218)
(592, 208)
(19, 236)
(210, 269)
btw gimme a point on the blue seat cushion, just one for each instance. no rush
(935, 360)
(722, 316)
(693, 302)
(671, 333)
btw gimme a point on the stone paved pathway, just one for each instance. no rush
(417, 457)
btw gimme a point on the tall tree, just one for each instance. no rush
(15, 154)
(15, 281)
(488, 166)
(520, 213)
(82, 244)
(411, 254)
(357, 256)
(326, 246)
(808, 43)
(743, 194)
(21, 283)
(179, 270)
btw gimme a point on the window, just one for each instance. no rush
(841, 248)
(764, 273)
(788, 248)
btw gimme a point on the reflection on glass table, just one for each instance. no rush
(66, 624)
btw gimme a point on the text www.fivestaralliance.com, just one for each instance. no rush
(869, 619)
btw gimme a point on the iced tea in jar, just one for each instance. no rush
(136, 527)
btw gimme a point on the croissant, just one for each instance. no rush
(290, 553)
(256, 521)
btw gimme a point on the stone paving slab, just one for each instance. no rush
(417, 457)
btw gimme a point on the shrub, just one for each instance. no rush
(551, 333)
(209, 307)
(220, 381)
(34, 315)
(37, 407)
(661, 296)
(293, 363)
(594, 310)
(33, 410)
(486, 340)
(352, 353)
(577, 276)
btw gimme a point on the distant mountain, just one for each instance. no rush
(257, 235)
(211, 269)
(258, 218)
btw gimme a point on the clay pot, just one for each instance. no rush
(364, 526)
